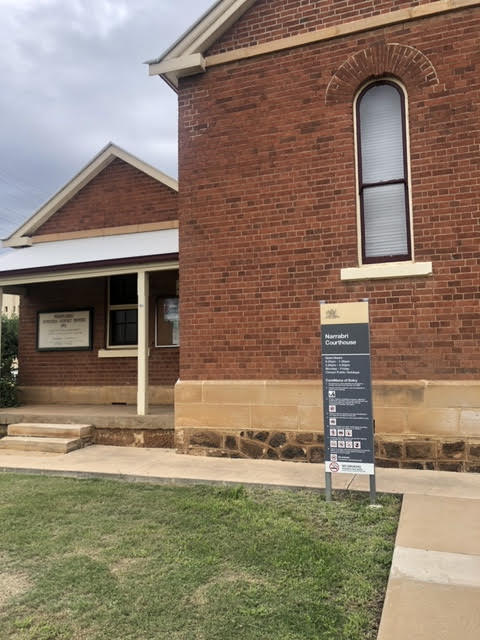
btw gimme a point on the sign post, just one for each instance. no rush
(347, 392)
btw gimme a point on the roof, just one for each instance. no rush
(106, 156)
(185, 56)
(53, 256)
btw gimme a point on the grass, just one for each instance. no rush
(104, 560)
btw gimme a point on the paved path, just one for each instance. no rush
(434, 587)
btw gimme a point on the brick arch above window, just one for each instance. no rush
(400, 60)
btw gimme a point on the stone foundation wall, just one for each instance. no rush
(155, 438)
(419, 424)
(408, 453)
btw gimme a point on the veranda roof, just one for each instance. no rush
(81, 252)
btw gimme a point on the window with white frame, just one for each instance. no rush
(383, 180)
(122, 311)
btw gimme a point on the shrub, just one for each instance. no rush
(8, 379)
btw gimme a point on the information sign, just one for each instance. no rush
(64, 330)
(347, 389)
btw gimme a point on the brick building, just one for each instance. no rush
(77, 265)
(329, 151)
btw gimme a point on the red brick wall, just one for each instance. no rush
(119, 195)
(268, 214)
(85, 367)
(269, 20)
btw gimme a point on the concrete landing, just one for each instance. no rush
(100, 416)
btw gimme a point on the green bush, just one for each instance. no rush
(8, 379)
(8, 391)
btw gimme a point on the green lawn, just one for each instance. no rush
(98, 560)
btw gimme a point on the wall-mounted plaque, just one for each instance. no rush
(64, 330)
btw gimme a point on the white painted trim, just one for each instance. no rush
(90, 171)
(209, 27)
(142, 359)
(117, 353)
(88, 273)
(384, 270)
(184, 66)
(207, 30)
(19, 242)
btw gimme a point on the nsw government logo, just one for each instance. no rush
(332, 314)
(334, 467)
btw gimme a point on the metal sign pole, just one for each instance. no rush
(373, 477)
(373, 490)
(328, 486)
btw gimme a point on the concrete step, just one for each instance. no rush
(41, 445)
(49, 430)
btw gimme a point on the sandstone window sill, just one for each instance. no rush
(387, 270)
(117, 353)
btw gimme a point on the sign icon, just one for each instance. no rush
(333, 421)
(334, 467)
(348, 433)
(332, 408)
(333, 432)
(332, 393)
(332, 314)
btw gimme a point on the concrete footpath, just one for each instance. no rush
(434, 586)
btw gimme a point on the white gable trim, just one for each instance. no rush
(20, 237)
(207, 30)
(226, 12)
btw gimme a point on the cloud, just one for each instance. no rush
(72, 80)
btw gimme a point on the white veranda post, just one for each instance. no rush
(142, 382)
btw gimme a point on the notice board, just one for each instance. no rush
(347, 388)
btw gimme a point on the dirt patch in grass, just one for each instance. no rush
(200, 597)
(126, 565)
(11, 586)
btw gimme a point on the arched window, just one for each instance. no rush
(383, 181)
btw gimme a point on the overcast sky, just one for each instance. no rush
(73, 80)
